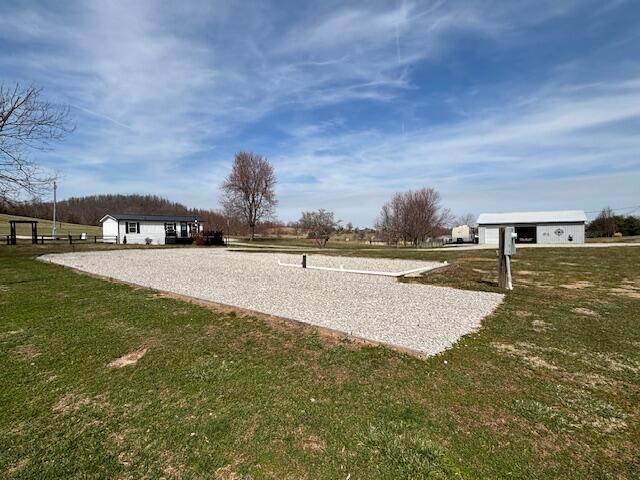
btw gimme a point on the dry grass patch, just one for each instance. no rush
(578, 285)
(540, 326)
(9, 333)
(72, 402)
(627, 291)
(523, 352)
(26, 352)
(479, 270)
(17, 467)
(313, 444)
(585, 311)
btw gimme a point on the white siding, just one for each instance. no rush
(463, 232)
(152, 230)
(110, 230)
(550, 233)
(559, 233)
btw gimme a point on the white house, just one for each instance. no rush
(155, 229)
(554, 227)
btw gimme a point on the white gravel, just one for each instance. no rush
(423, 318)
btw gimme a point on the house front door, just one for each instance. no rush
(183, 229)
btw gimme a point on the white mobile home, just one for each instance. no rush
(155, 229)
(554, 227)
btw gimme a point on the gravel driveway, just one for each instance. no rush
(424, 318)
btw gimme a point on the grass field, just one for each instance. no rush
(44, 227)
(549, 388)
(629, 239)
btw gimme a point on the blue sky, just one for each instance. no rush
(499, 105)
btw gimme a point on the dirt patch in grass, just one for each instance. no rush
(479, 270)
(585, 311)
(26, 352)
(130, 358)
(228, 472)
(18, 466)
(313, 444)
(578, 285)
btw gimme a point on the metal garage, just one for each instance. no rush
(553, 227)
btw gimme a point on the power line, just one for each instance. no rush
(635, 207)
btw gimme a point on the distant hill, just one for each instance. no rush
(44, 227)
(89, 210)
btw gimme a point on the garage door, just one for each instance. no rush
(491, 236)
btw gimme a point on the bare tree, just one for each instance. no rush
(320, 225)
(249, 190)
(413, 216)
(468, 219)
(605, 222)
(27, 123)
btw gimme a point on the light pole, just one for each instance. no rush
(53, 229)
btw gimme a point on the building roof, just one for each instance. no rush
(557, 216)
(139, 217)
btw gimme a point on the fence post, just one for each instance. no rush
(95, 239)
(70, 240)
(304, 261)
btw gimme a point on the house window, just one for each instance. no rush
(133, 227)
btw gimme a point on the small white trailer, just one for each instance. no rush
(462, 234)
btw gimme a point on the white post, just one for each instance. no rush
(53, 229)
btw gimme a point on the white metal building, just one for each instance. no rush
(555, 227)
(156, 229)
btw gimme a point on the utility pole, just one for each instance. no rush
(53, 229)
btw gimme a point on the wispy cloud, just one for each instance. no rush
(351, 102)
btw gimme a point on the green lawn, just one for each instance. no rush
(44, 227)
(548, 388)
(628, 239)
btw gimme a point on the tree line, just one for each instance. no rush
(608, 224)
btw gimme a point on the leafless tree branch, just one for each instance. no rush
(27, 123)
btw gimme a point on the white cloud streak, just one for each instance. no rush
(161, 89)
